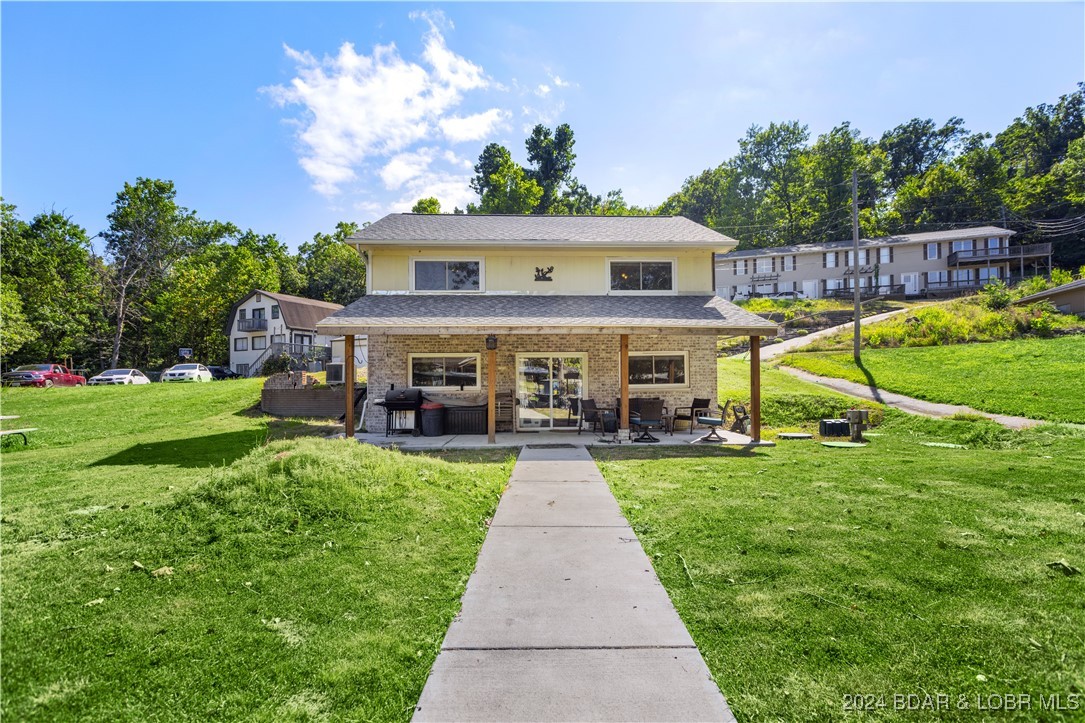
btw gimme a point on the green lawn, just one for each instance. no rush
(310, 578)
(806, 573)
(1035, 378)
(787, 403)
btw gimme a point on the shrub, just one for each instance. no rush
(1042, 321)
(995, 295)
(277, 365)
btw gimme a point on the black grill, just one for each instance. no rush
(403, 408)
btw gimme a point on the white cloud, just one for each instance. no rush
(452, 190)
(357, 106)
(559, 82)
(473, 127)
(543, 90)
(405, 166)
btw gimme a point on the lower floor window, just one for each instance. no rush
(241, 343)
(656, 369)
(444, 371)
(278, 338)
(242, 369)
(259, 342)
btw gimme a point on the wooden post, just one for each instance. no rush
(624, 371)
(755, 388)
(491, 396)
(348, 383)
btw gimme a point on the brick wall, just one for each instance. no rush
(388, 364)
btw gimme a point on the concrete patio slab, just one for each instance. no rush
(580, 685)
(522, 439)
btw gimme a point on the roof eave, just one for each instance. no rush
(341, 328)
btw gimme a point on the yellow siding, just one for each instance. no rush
(576, 271)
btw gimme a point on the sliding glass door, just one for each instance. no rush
(549, 389)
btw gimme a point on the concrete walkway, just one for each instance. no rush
(564, 618)
(906, 404)
(786, 347)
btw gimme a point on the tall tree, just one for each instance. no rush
(147, 232)
(551, 154)
(492, 158)
(428, 205)
(333, 270)
(46, 264)
(913, 148)
(509, 190)
(771, 159)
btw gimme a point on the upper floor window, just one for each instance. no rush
(788, 263)
(994, 242)
(642, 276)
(446, 275)
(241, 313)
(962, 245)
(241, 343)
(864, 257)
(740, 267)
(932, 251)
(829, 260)
(258, 313)
(274, 311)
(885, 255)
(765, 266)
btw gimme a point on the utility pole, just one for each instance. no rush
(855, 254)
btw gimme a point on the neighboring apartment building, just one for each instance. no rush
(266, 324)
(939, 263)
(551, 308)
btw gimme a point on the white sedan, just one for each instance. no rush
(187, 373)
(119, 376)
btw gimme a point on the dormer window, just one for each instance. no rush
(641, 277)
(446, 275)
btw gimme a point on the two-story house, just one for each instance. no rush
(546, 310)
(265, 324)
(931, 264)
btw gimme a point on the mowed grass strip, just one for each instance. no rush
(1034, 378)
(307, 579)
(806, 574)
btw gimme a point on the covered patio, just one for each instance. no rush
(504, 343)
(556, 440)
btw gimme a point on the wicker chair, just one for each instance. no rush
(699, 408)
(649, 415)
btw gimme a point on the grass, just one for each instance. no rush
(307, 578)
(959, 321)
(787, 403)
(1035, 378)
(806, 573)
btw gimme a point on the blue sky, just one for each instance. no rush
(286, 118)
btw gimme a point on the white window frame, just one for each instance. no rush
(622, 260)
(962, 245)
(832, 259)
(741, 269)
(481, 275)
(763, 265)
(885, 255)
(933, 246)
(685, 363)
(789, 263)
(438, 355)
(241, 341)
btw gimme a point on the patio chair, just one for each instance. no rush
(742, 423)
(589, 414)
(649, 415)
(699, 408)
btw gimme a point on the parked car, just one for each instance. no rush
(43, 375)
(119, 376)
(223, 373)
(187, 373)
(787, 295)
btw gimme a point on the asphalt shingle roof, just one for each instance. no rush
(468, 229)
(487, 313)
(925, 237)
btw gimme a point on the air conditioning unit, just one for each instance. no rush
(335, 373)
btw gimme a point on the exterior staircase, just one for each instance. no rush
(301, 354)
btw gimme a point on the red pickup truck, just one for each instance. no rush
(42, 375)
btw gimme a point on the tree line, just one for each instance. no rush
(166, 279)
(784, 187)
